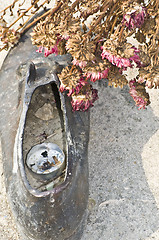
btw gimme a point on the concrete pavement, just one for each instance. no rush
(123, 166)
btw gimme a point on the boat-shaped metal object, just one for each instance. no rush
(44, 146)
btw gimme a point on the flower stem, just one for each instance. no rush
(113, 25)
(112, 10)
(30, 17)
(23, 14)
(72, 7)
(3, 47)
(51, 11)
(121, 32)
(108, 5)
(72, 68)
(9, 6)
(98, 21)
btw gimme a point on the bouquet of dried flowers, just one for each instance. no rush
(97, 35)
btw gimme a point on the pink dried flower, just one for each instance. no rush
(81, 82)
(141, 80)
(136, 57)
(149, 84)
(78, 87)
(65, 36)
(62, 88)
(47, 51)
(135, 19)
(52, 50)
(40, 49)
(85, 100)
(121, 62)
(81, 64)
(94, 76)
(116, 60)
(139, 96)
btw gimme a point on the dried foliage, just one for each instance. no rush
(71, 79)
(96, 34)
(138, 92)
(115, 78)
(79, 49)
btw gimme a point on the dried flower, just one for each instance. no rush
(89, 8)
(138, 92)
(85, 98)
(68, 26)
(96, 35)
(135, 16)
(149, 26)
(144, 58)
(3, 26)
(81, 64)
(58, 48)
(46, 51)
(120, 54)
(82, 50)
(10, 38)
(94, 76)
(45, 34)
(116, 60)
(96, 70)
(150, 77)
(136, 57)
(71, 79)
(115, 78)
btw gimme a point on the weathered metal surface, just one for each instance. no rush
(59, 213)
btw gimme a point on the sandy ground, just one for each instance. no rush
(124, 173)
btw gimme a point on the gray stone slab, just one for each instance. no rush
(121, 205)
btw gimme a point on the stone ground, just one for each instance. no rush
(123, 164)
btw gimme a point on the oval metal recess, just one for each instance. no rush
(46, 161)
